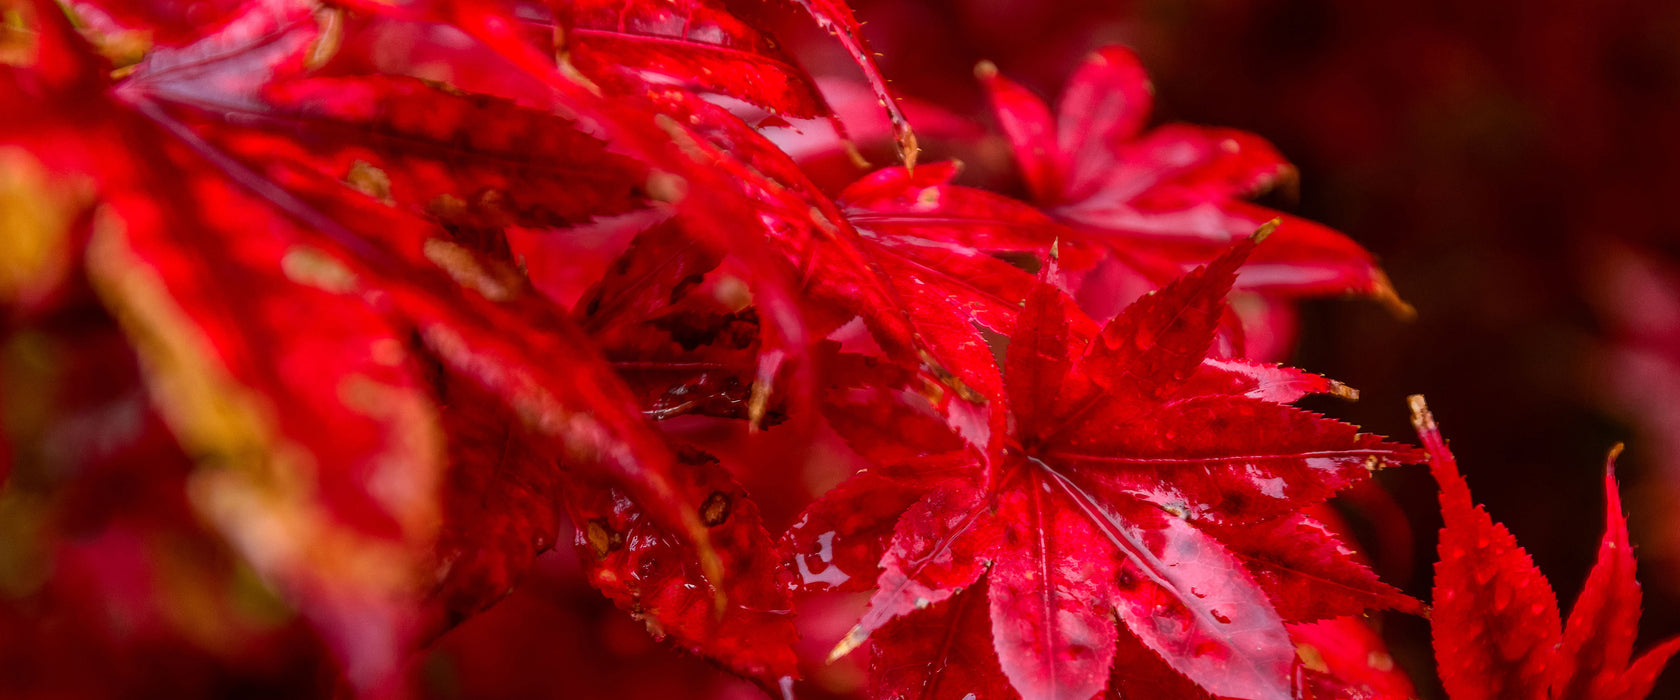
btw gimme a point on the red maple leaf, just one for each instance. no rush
(1346, 658)
(1131, 478)
(311, 259)
(698, 44)
(947, 243)
(1149, 205)
(387, 292)
(1496, 623)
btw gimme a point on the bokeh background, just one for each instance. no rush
(1515, 166)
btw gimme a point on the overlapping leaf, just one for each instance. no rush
(273, 304)
(946, 241)
(1496, 622)
(654, 574)
(837, 18)
(405, 281)
(1345, 658)
(1153, 204)
(460, 299)
(1108, 497)
(697, 43)
(733, 174)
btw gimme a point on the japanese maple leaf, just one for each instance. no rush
(1133, 479)
(697, 42)
(1345, 657)
(809, 237)
(1340, 659)
(736, 175)
(650, 315)
(375, 399)
(942, 240)
(847, 274)
(836, 16)
(1636, 292)
(832, 157)
(1159, 202)
(1496, 622)
(491, 531)
(666, 56)
(557, 638)
(839, 275)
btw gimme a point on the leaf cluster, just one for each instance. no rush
(326, 319)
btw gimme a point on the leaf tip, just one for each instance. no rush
(856, 156)
(331, 37)
(1343, 391)
(848, 644)
(1442, 465)
(1422, 420)
(1265, 231)
(1382, 290)
(908, 150)
(1615, 520)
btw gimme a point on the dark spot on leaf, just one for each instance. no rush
(685, 286)
(1234, 502)
(716, 509)
(1128, 579)
(602, 538)
(691, 455)
(453, 616)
